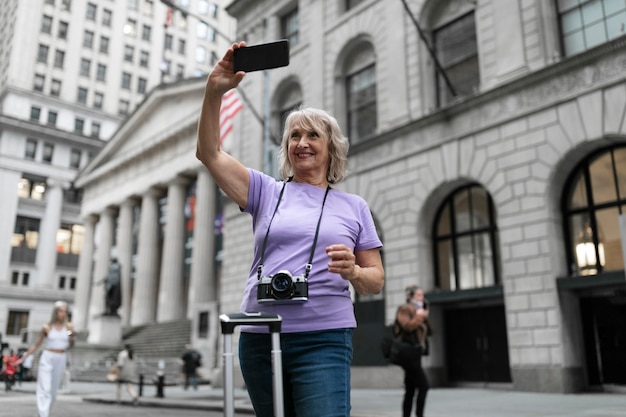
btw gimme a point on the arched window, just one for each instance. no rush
(593, 200)
(465, 241)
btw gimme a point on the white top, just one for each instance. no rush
(57, 339)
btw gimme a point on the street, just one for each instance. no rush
(20, 404)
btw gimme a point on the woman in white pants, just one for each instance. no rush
(58, 335)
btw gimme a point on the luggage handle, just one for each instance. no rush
(228, 323)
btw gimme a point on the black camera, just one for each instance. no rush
(282, 287)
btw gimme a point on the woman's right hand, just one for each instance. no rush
(221, 79)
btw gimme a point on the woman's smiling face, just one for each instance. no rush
(308, 152)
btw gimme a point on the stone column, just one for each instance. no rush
(146, 285)
(202, 287)
(46, 249)
(125, 255)
(103, 259)
(171, 301)
(80, 312)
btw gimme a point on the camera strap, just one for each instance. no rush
(309, 265)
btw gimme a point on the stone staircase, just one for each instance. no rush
(157, 348)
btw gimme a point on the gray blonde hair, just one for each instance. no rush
(320, 121)
(55, 311)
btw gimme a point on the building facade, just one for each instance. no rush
(70, 73)
(492, 153)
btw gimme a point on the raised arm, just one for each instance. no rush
(229, 174)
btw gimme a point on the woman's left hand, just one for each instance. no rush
(342, 261)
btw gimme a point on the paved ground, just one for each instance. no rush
(441, 402)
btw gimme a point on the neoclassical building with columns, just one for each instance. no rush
(504, 197)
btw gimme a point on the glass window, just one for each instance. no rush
(46, 24)
(88, 39)
(144, 57)
(456, 48)
(213, 10)
(101, 74)
(290, 27)
(168, 42)
(594, 199)
(465, 240)
(75, 155)
(141, 85)
(91, 11)
(588, 23)
(48, 152)
(181, 46)
(107, 16)
(129, 52)
(180, 71)
(39, 82)
(124, 107)
(362, 119)
(130, 28)
(26, 232)
(55, 88)
(62, 282)
(81, 96)
(79, 125)
(35, 113)
(17, 321)
(63, 26)
(200, 54)
(98, 99)
(59, 58)
(104, 44)
(126, 79)
(70, 238)
(202, 30)
(146, 33)
(31, 149)
(85, 67)
(72, 283)
(52, 118)
(66, 5)
(42, 54)
(203, 6)
(95, 130)
(15, 278)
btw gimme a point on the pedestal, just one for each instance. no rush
(105, 330)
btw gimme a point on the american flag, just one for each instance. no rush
(231, 105)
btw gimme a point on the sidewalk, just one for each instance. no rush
(441, 402)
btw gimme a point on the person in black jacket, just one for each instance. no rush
(192, 360)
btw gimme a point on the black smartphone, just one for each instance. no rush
(262, 56)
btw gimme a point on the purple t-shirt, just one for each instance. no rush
(346, 219)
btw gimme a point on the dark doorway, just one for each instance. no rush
(476, 345)
(604, 329)
(369, 333)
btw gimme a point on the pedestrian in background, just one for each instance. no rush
(127, 371)
(413, 328)
(57, 336)
(192, 360)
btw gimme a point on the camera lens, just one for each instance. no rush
(282, 285)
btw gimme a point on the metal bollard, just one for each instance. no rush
(160, 385)
(140, 385)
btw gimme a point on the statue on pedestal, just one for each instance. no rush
(113, 287)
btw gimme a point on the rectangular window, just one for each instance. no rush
(79, 125)
(42, 54)
(95, 130)
(39, 82)
(168, 42)
(146, 33)
(123, 107)
(75, 158)
(62, 282)
(106, 17)
(70, 238)
(456, 48)
(143, 59)
(26, 232)
(362, 110)
(88, 39)
(101, 74)
(104, 44)
(290, 27)
(180, 71)
(48, 152)
(35, 113)
(141, 85)
(586, 24)
(63, 27)
(72, 283)
(46, 24)
(98, 99)
(15, 278)
(91, 11)
(130, 28)
(31, 149)
(85, 67)
(17, 321)
(59, 58)
(213, 10)
(25, 278)
(203, 325)
(66, 5)
(52, 118)
(126, 79)
(129, 52)
(81, 96)
(181, 46)
(55, 88)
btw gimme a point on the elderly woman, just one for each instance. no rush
(311, 242)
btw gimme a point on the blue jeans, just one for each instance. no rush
(316, 372)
